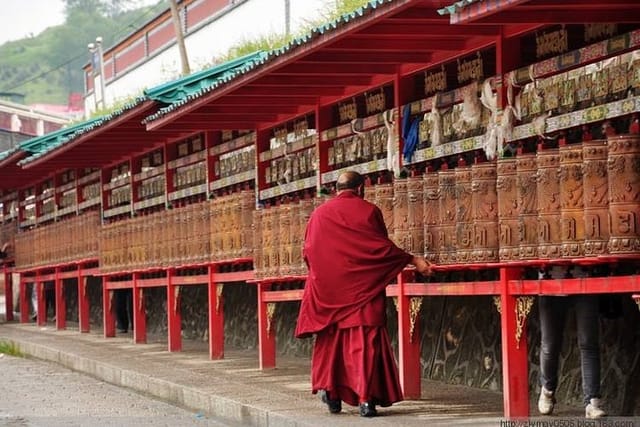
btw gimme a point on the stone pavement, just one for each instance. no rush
(235, 388)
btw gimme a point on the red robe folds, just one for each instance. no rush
(350, 260)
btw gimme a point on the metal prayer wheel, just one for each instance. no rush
(571, 201)
(484, 201)
(284, 240)
(258, 243)
(431, 216)
(596, 197)
(548, 198)
(447, 218)
(526, 181)
(506, 185)
(415, 216)
(464, 220)
(384, 200)
(400, 234)
(623, 163)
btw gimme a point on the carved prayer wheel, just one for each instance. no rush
(415, 216)
(305, 207)
(447, 218)
(624, 193)
(400, 234)
(247, 206)
(464, 220)
(571, 201)
(526, 170)
(274, 254)
(384, 200)
(258, 243)
(216, 229)
(431, 216)
(506, 185)
(284, 241)
(235, 219)
(548, 198)
(596, 197)
(484, 202)
(267, 241)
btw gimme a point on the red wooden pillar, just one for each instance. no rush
(515, 376)
(61, 306)
(83, 302)
(139, 313)
(216, 317)
(266, 336)
(109, 322)
(8, 293)
(24, 300)
(42, 305)
(408, 343)
(174, 316)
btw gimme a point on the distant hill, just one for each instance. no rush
(48, 67)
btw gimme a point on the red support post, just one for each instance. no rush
(515, 377)
(83, 302)
(139, 313)
(408, 343)
(42, 304)
(61, 306)
(174, 316)
(266, 335)
(8, 293)
(216, 317)
(109, 322)
(24, 300)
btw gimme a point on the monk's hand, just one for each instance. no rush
(422, 265)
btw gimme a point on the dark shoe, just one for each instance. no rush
(368, 410)
(335, 406)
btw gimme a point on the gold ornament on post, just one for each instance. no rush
(415, 303)
(523, 308)
(271, 309)
(498, 303)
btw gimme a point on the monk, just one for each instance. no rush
(350, 261)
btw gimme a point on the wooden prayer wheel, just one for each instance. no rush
(464, 220)
(506, 186)
(267, 241)
(548, 199)
(623, 163)
(247, 206)
(484, 202)
(258, 243)
(447, 217)
(415, 216)
(216, 229)
(400, 234)
(304, 212)
(596, 197)
(227, 225)
(284, 240)
(571, 201)
(384, 201)
(526, 170)
(274, 244)
(431, 216)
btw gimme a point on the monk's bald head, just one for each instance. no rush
(350, 180)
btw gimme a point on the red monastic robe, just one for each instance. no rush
(350, 260)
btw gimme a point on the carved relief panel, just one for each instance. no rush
(400, 214)
(484, 201)
(527, 206)
(447, 225)
(548, 200)
(464, 221)
(507, 209)
(596, 197)
(571, 201)
(415, 195)
(431, 216)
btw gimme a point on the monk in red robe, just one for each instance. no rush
(351, 260)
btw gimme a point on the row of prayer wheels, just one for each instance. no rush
(213, 230)
(7, 235)
(59, 242)
(581, 200)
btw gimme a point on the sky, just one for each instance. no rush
(20, 18)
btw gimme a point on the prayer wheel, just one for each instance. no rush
(274, 244)
(548, 192)
(623, 161)
(247, 206)
(305, 208)
(384, 200)
(216, 229)
(267, 241)
(571, 201)
(526, 170)
(284, 240)
(596, 197)
(227, 225)
(258, 243)
(484, 201)
(415, 216)
(464, 220)
(506, 186)
(447, 217)
(431, 216)
(400, 234)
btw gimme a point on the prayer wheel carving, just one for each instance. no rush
(258, 242)
(384, 200)
(447, 218)
(400, 232)
(484, 200)
(527, 206)
(624, 193)
(415, 217)
(571, 201)
(274, 254)
(431, 215)
(304, 212)
(548, 192)
(507, 209)
(464, 221)
(284, 240)
(596, 197)
(247, 206)
(267, 241)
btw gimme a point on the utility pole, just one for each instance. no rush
(287, 17)
(177, 24)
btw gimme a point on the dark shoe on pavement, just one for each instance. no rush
(335, 406)
(368, 409)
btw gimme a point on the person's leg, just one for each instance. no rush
(122, 316)
(588, 331)
(552, 312)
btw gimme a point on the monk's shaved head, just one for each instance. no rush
(349, 180)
